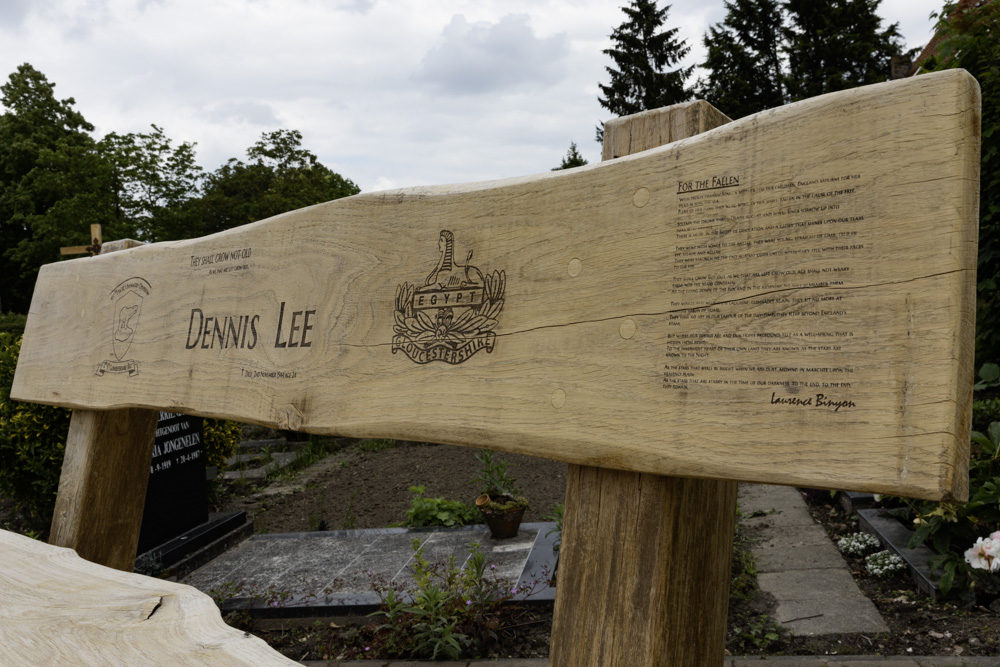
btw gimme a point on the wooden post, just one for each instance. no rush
(104, 476)
(644, 569)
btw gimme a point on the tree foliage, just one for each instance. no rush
(571, 159)
(644, 53)
(972, 42)
(47, 171)
(836, 45)
(56, 180)
(280, 176)
(766, 53)
(744, 59)
(149, 183)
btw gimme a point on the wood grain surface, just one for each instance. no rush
(105, 471)
(644, 568)
(644, 575)
(58, 609)
(787, 299)
(102, 487)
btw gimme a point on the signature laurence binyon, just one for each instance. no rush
(817, 401)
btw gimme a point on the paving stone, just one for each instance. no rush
(797, 548)
(827, 601)
(766, 497)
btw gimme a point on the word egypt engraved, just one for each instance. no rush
(452, 315)
(126, 300)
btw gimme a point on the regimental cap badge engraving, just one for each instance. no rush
(451, 316)
(126, 306)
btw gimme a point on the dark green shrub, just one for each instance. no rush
(970, 42)
(12, 323)
(32, 442)
(951, 528)
(222, 437)
(984, 413)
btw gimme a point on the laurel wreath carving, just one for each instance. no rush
(473, 322)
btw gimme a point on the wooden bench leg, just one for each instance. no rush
(644, 570)
(103, 485)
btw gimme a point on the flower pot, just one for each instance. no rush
(503, 525)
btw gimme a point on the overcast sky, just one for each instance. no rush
(387, 93)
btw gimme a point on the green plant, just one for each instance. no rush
(493, 478)
(374, 445)
(950, 527)
(985, 412)
(222, 437)
(32, 443)
(425, 511)
(989, 376)
(743, 568)
(350, 518)
(450, 611)
(556, 515)
(753, 633)
(499, 492)
(970, 42)
(434, 627)
(12, 323)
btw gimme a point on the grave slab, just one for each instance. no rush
(334, 570)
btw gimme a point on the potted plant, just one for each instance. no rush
(500, 500)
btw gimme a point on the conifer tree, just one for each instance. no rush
(647, 58)
(836, 45)
(743, 60)
(572, 158)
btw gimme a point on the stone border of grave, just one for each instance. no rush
(186, 553)
(895, 537)
(852, 501)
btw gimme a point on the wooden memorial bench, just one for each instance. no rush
(786, 299)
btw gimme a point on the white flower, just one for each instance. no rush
(884, 563)
(984, 554)
(858, 544)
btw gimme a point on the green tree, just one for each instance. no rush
(149, 182)
(280, 176)
(49, 181)
(836, 45)
(643, 53)
(572, 158)
(972, 41)
(744, 59)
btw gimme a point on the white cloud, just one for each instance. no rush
(388, 94)
(483, 57)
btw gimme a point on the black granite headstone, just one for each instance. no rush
(176, 498)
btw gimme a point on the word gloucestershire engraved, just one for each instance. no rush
(452, 315)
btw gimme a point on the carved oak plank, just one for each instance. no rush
(58, 609)
(737, 305)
